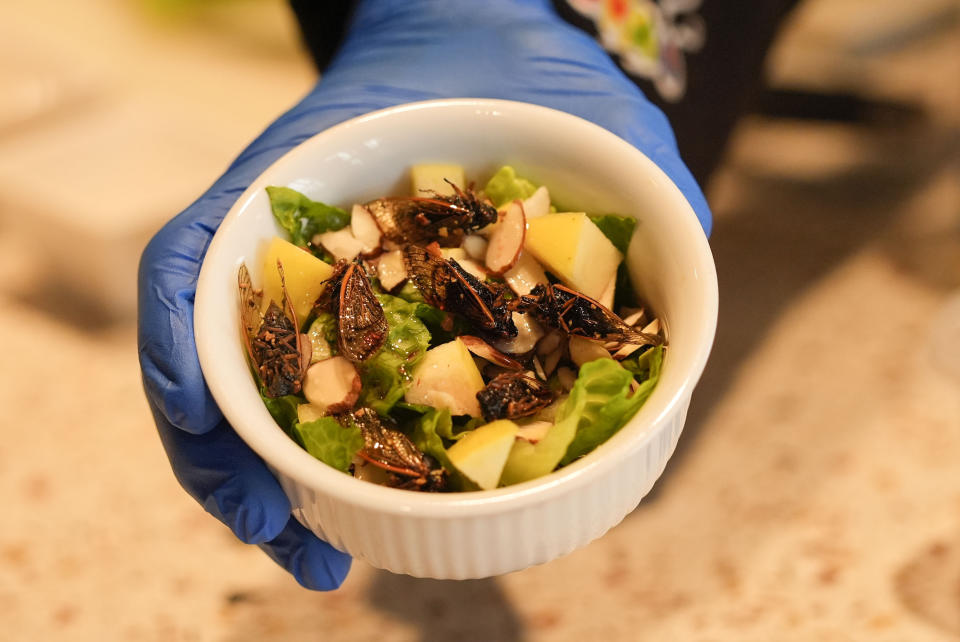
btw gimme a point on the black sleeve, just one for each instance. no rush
(323, 24)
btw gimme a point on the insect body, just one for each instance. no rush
(387, 448)
(361, 324)
(560, 307)
(444, 219)
(512, 395)
(275, 346)
(444, 284)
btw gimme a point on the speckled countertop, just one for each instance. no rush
(815, 494)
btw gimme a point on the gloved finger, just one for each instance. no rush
(227, 478)
(313, 562)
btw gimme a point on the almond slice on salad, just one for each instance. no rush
(538, 203)
(634, 317)
(332, 385)
(475, 246)
(484, 350)
(584, 350)
(342, 244)
(525, 274)
(364, 229)
(390, 269)
(506, 239)
(528, 333)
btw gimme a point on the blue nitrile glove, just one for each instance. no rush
(397, 51)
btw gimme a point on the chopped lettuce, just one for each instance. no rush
(283, 410)
(618, 229)
(528, 461)
(505, 186)
(331, 443)
(385, 374)
(302, 217)
(323, 337)
(607, 403)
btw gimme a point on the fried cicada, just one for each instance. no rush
(277, 350)
(512, 395)
(361, 324)
(389, 449)
(446, 285)
(557, 306)
(444, 219)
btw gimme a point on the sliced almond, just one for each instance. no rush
(626, 350)
(473, 268)
(551, 360)
(606, 297)
(342, 244)
(534, 431)
(481, 348)
(538, 369)
(584, 350)
(550, 342)
(538, 203)
(391, 270)
(333, 385)
(525, 275)
(653, 327)
(567, 377)
(528, 333)
(634, 317)
(364, 228)
(506, 239)
(475, 246)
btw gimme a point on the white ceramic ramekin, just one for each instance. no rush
(472, 535)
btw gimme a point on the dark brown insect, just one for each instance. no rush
(361, 324)
(276, 348)
(511, 395)
(389, 449)
(444, 219)
(446, 285)
(560, 307)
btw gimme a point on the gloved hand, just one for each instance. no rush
(395, 52)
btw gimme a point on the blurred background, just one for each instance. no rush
(816, 491)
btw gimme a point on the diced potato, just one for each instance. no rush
(572, 247)
(447, 377)
(429, 177)
(303, 273)
(482, 453)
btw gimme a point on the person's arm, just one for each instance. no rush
(394, 52)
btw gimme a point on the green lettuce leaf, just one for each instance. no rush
(385, 374)
(302, 217)
(619, 229)
(505, 186)
(607, 404)
(331, 443)
(528, 461)
(283, 410)
(426, 435)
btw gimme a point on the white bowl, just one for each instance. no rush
(477, 534)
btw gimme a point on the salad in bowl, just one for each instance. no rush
(451, 339)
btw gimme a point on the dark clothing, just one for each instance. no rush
(722, 78)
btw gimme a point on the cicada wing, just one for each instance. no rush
(250, 305)
(362, 324)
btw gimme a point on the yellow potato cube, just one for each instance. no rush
(447, 377)
(429, 177)
(482, 453)
(303, 273)
(574, 249)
